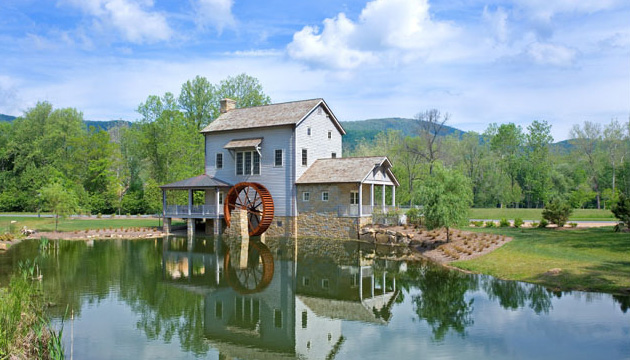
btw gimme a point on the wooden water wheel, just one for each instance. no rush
(258, 273)
(256, 200)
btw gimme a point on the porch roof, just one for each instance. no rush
(197, 182)
(345, 170)
(243, 143)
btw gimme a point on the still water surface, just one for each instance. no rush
(314, 299)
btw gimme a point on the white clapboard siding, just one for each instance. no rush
(318, 144)
(278, 180)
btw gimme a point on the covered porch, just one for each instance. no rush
(370, 198)
(199, 197)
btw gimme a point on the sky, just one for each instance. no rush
(482, 62)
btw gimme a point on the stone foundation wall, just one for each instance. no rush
(327, 225)
(282, 226)
(320, 225)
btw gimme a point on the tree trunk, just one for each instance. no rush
(56, 221)
(448, 236)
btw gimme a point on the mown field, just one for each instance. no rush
(71, 224)
(536, 214)
(593, 259)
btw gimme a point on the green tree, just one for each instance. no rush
(587, 140)
(198, 101)
(538, 165)
(557, 212)
(246, 90)
(58, 200)
(506, 142)
(446, 196)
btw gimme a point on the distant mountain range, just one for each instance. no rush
(355, 130)
(368, 129)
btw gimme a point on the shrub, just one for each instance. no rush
(489, 224)
(478, 223)
(412, 216)
(534, 224)
(504, 223)
(543, 223)
(518, 222)
(621, 210)
(573, 224)
(557, 212)
(99, 215)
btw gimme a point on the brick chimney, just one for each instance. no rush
(227, 105)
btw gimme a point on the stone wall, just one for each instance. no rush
(238, 225)
(282, 226)
(338, 195)
(327, 225)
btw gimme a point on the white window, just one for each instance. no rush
(354, 198)
(304, 157)
(308, 131)
(306, 281)
(306, 196)
(330, 134)
(324, 195)
(247, 163)
(278, 158)
(219, 161)
(220, 198)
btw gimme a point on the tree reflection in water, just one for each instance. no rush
(513, 295)
(442, 302)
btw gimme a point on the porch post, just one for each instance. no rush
(163, 202)
(360, 199)
(372, 197)
(383, 201)
(190, 201)
(394, 195)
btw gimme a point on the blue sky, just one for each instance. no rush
(563, 61)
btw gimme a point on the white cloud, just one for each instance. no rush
(134, 20)
(550, 54)
(217, 13)
(498, 22)
(392, 29)
(546, 9)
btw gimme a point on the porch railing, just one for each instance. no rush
(367, 210)
(195, 210)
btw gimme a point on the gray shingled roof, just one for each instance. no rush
(289, 113)
(341, 170)
(201, 181)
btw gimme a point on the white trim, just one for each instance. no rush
(327, 195)
(306, 196)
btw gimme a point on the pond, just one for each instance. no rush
(181, 298)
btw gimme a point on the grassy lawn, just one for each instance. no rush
(595, 259)
(48, 224)
(536, 214)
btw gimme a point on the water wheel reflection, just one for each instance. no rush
(251, 272)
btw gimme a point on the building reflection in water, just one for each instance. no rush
(281, 299)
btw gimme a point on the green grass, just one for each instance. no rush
(595, 259)
(25, 331)
(536, 214)
(68, 224)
